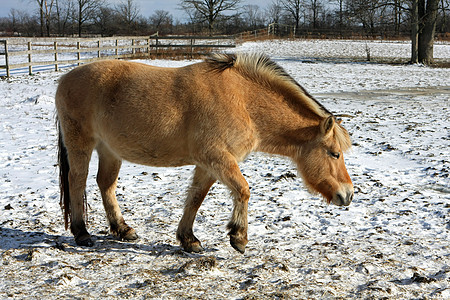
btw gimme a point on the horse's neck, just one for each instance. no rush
(281, 129)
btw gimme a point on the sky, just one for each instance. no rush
(147, 7)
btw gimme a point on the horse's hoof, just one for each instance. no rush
(84, 241)
(130, 235)
(238, 243)
(238, 246)
(124, 232)
(189, 242)
(195, 247)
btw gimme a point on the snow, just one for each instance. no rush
(311, 50)
(391, 242)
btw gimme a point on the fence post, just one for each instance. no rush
(55, 46)
(78, 52)
(156, 45)
(132, 47)
(5, 42)
(30, 68)
(98, 51)
(117, 47)
(192, 48)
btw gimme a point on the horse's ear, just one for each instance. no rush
(327, 125)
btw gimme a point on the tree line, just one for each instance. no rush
(418, 19)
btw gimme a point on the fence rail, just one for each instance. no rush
(16, 53)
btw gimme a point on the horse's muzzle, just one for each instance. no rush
(343, 198)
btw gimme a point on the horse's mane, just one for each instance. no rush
(263, 70)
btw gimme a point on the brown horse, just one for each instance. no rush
(210, 114)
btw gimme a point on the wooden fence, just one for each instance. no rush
(254, 35)
(20, 53)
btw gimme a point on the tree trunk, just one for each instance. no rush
(444, 17)
(414, 32)
(211, 24)
(426, 35)
(41, 16)
(396, 18)
(80, 19)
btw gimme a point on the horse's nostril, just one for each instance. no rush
(341, 199)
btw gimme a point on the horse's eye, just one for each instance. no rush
(334, 155)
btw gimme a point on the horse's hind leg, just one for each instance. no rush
(201, 184)
(108, 171)
(79, 150)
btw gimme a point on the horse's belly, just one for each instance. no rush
(158, 161)
(168, 152)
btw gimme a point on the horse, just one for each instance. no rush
(211, 114)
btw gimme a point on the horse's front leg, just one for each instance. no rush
(201, 184)
(238, 224)
(226, 169)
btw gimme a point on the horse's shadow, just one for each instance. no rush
(11, 239)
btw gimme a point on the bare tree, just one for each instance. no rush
(161, 20)
(422, 14)
(274, 11)
(14, 20)
(252, 16)
(366, 12)
(129, 13)
(414, 11)
(427, 17)
(106, 21)
(45, 10)
(85, 11)
(423, 17)
(293, 7)
(20, 22)
(340, 13)
(63, 11)
(397, 15)
(444, 8)
(209, 10)
(315, 6)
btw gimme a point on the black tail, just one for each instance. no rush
(64, 168)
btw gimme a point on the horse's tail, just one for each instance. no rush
(64, 168)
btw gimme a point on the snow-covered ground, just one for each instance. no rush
(393, 241)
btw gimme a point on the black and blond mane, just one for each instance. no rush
(262, 69)
(265, 71)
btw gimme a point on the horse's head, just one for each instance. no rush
(321, 163)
